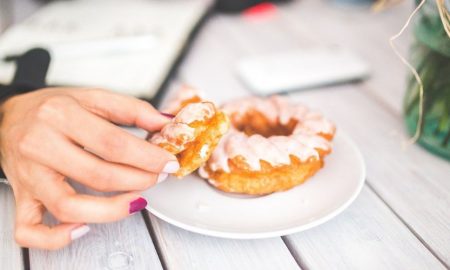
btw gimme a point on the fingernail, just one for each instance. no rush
(171, 167)
(162, 177)
(137, 205)
(79, 232)
(168, 115)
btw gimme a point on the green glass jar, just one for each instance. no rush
(430, 55)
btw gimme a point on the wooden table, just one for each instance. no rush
(401, 220)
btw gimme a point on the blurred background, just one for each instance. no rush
(92, 41)
(250, 46)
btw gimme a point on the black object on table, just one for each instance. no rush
(31, 71)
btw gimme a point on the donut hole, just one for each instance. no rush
(254, 122)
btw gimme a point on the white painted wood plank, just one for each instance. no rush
(366, 33)
(10, 252)
(363, 31)
(209, 67)
(3, 21)
(21, 9)
(128, 237)
(14, 11)
(5, 14)
(105, 244)
(366, 236)
(210, 63)
(424, 205)
(186, 250)
(404, 183)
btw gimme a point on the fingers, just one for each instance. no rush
(95, 173)
(45, 237)
(30, 232)
(68, 206)
(122, 109)
(115, 144)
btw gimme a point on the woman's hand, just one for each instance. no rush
(51, 134)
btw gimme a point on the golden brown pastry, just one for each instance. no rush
(272, 146)
(193, 133)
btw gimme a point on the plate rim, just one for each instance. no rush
(280, 232)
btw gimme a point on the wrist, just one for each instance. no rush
(5, 104)
(7, 92)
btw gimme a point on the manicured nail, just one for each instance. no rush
(168, 115)
(162, 177)
(171, 167)
(79, 232)
(137, 205)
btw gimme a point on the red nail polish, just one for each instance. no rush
(137, 205)
(168, 115)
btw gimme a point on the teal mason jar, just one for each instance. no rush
(430, 56)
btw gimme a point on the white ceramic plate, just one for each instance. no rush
(194, 205)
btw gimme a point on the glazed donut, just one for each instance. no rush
(192, 134)
(272, 146)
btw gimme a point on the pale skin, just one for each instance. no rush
(50, 135)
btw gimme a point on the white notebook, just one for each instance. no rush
(126, 46)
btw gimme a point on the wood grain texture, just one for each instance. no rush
(412, 181)
(10, 252)
(393, 171)
(366, 236)
(421, 190)
(367, 33)
(5, 14)
(21, 9)
(105, 245)
(186, 250)
(362, 31)
(14, 11)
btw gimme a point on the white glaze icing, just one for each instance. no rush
(276, 149)
(295, 146)
(202, 172)
(204, 151)
(316, 123)
(178, 132)
(286, 111)
(195, 112)
(175, 134)
(303, 143)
